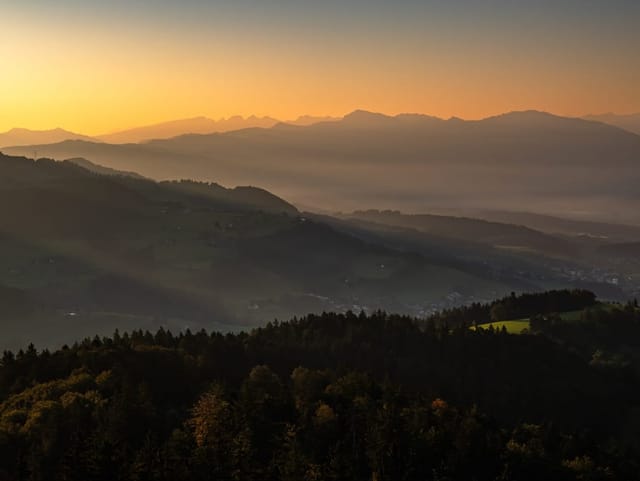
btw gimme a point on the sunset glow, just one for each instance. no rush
(104, 68)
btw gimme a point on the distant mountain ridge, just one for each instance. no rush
(203, 125)
(196, 125)
(530, 161)
(304, 120)
(554, 225)
(161, 130)
(630, 122)
(98, 169)
(18, 136)
(470, 229)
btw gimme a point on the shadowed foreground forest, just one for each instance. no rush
(337, 397)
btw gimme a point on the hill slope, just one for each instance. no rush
(98, 169)
(95, 252)
(507, 236)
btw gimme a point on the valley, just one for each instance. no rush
(111, 249)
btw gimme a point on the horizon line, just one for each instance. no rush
(336, 117)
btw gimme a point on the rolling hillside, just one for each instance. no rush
(110, 251)
(505, 236)
(604, 231)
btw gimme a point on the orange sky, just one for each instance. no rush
(98, 71)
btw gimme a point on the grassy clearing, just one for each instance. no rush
(516, 326)
(512, 327)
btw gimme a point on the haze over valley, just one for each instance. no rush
(111, 248)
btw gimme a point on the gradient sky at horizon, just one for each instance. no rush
(103, 66)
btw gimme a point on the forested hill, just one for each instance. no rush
(332, 396)
(86, 253)
(78, 177)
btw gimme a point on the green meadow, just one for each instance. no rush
(512, 327)
(517, 326)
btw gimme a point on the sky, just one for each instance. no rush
(98, 67)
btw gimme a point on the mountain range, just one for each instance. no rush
(19, 136)
(529, 161)
(163, 130)
(205, 125)
(197, 125)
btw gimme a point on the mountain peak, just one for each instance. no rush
(22, 136)
(524, 115)
(364, 116)
(536, 118)
(531, 118)
(312, 119)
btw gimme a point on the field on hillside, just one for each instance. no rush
(517, 326)
(513, 327)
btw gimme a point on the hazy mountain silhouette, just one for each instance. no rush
(304, 120)
(530, 161)
(366, 119)
(197, 125)
(508, 236)
(630, 122)
(98, 169)
(202, 125)
(26, 137)
(553, 225)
